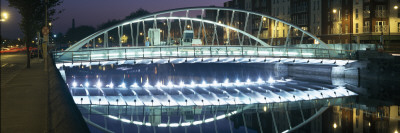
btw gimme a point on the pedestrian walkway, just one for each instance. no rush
(34, 100)
(24, 100)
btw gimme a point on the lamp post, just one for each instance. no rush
(340, 28)
(3, 17)
(395, 8)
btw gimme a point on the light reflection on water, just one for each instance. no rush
(140, 118)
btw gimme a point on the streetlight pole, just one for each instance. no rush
(46, 38)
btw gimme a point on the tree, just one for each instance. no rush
(33, 16)
(114, 32)
(78, 33)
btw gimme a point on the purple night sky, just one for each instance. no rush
(95, 12)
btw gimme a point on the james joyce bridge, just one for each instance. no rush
(216, 35)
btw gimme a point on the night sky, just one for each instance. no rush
(95, 12)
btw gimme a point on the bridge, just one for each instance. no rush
(200, 42)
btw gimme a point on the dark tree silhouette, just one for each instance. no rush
(78, 33)
(33, 17)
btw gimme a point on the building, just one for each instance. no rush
(333, 21)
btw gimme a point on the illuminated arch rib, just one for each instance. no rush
(153, 16)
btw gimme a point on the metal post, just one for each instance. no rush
(180, 28)
(199, 32)
(245, 27)
(94, 43)
(155, 22)
(187, 15)
(287, 116)
(119, 36)
(144, 33)
(105, 39)
(133, 40)
(244, 122)
(259, 122)
(301, 40)
(259, 29)
(287, 38)
(137, 34)
(274, 34)
(232, 17)
(215, 28)
(205, 33)
(273, 118)
(301, 111)
(169, 28)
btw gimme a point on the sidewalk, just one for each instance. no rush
(24, 100)
(38, 101)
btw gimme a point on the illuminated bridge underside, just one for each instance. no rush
(188, 94)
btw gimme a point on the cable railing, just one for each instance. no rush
(161, 52)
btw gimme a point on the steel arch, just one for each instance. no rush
(79, 44)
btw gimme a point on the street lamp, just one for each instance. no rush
(334, 11)
(396, 7)
(4, 16)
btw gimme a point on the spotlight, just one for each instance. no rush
(98, 85)
(170, 84)
(259, 80)
(111, 85)
(123, 85)
(271, 80)
(74, 84)
(87, 84)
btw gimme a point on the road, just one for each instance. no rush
(11, 63)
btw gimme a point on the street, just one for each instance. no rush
(11, 63)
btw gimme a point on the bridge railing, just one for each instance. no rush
(198, 52)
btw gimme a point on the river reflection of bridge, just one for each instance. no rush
(155, 97)
(220, 118)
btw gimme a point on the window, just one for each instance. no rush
(315, 4)
(346, 28)
(346, 15)
(356, 13)
(356, 27)
(277, 33)
(398, 26)
(329, 29)
(283, 33)
(357, 1)
(314, 18)
(277, 11)
(380, 26)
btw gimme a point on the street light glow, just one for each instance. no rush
(334, 10)
(396, 7)
(4, 16)
(334, 125)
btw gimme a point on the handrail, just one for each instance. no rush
(201, 51)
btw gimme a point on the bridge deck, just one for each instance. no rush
(198, 51)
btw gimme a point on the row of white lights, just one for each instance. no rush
(175, 124)
(181, 84)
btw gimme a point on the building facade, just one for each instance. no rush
(333, 21)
